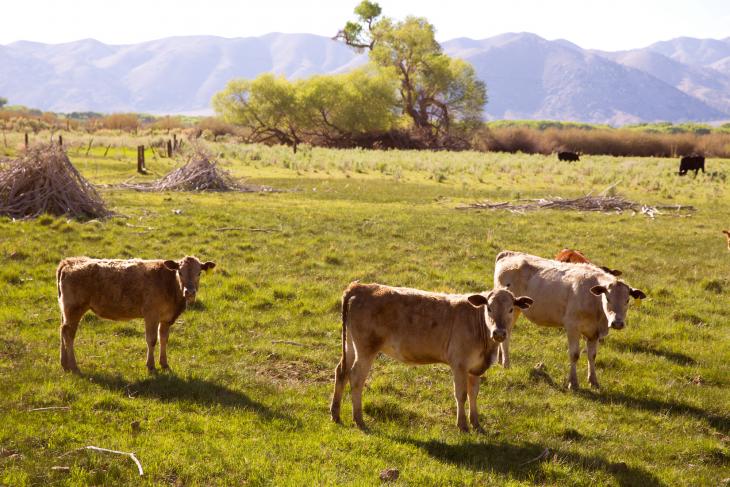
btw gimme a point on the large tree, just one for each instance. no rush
(329, 109)
(435, 90)
(3, 101)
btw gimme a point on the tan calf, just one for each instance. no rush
(419, 327)
(581, 298)
(155, 290)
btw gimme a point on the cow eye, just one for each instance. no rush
(489, 310)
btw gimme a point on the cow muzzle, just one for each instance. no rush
(189, 294)
(617, 325)
(499, 335)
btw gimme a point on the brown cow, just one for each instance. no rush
(580, 298)
(419, 327)
(121, 290)
(577, 257)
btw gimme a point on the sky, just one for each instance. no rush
(595, 24)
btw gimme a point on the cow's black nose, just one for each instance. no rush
(617, 325)
(499, 335)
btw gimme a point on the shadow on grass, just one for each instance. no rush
(170, 387)
(676, 357)
(720, 423)
(509, 459)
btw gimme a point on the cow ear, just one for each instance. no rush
(598, 290)
(613, 272)
(477, 300)
(637, 294)
(208, 265)
(171, 265)
(523, 302)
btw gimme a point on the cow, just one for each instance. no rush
(691, 163)
(727, 238)
(584, 300)
(577, 257)
(121, 290)
(420, 327)
(568, 156)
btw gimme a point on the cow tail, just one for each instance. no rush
(345, 308)
(59, 269)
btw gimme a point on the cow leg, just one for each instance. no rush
(342, 375)
(460, 388)
(473, 392)
(164, 333)
(574, 354)
(71, 318)
(591, 349)
(504, 352)
(358, 374)
(150, 331)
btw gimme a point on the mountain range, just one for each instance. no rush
(527, 77)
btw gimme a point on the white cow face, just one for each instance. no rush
(189, 270)
(499, 307)
(615, 301)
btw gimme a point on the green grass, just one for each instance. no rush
(240, 407)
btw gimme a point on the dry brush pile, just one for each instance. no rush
(43, 180)
(199, 173)
(606, 204)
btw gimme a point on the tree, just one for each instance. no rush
(267, 105)
(3, 101)
(341, 107)
(435, 90)
(331, 109)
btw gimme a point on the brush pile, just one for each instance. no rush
(43, 180)
(200, 173)
(606, 204)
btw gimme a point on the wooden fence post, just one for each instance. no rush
(175, 146)
(169, 148)
(60, 140)
(26, 140)
(140, 160)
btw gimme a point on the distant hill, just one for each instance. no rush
(527, 76)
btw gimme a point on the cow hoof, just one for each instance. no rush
(463, 428)
(595, 385)
(151, 370)
(479, 430)
(573, 386)
(361, 425)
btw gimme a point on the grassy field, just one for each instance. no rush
(243, 405)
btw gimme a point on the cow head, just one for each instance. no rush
(188, 270)
(499, 307)
(615, 301)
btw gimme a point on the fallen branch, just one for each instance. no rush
(106, 450)
(545, 453)
(604, 204)
(50, 408)
(289, 342)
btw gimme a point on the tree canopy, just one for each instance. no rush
(327, 108)
(3, 101)
(435, 90)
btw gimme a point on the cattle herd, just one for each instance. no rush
(694, 162)
(468, 332)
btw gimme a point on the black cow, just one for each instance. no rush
(568, 156)
(691, 163)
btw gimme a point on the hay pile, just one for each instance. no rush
(584, 203)
(200, 173)
(43, 180)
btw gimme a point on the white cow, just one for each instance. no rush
(581, 298)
